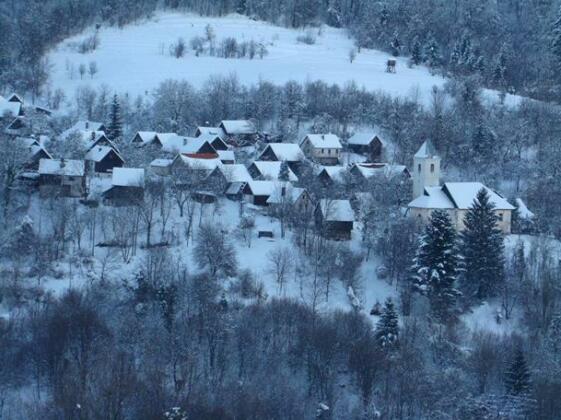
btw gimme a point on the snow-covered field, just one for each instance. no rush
(136, 59)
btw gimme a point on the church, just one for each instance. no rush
(454, 197)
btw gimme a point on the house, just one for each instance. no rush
(278, 152)
(264, 170)
(85, 125)
(14, 97)
(36, 152)
(367, 144)
(454, 197)
(65, 177)
(365, 171)
(227, 157)
(212, 131)
(87, 139)
(190, 146)
(215, 141)
(332, 175)
(9, 109)
(322, 148)
(162, 166)
(239, 131)
(144, 138)
(103, 159)
(259, 192)
(298, 198)
(334, 219)
(127, 187)
(229, 179)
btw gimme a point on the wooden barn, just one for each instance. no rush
(366, 144)
(127, 187)
(335, 219)
(103, 159)
(62, 177)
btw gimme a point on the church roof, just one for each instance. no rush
(426, 150)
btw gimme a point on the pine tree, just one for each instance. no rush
(115, 128)
(436, 266)
(395, 45)
(500, 70)
(416, 52)
(432, 52)
(387, 328)
(284, 173)
(482, 249)
(483, 144)
(517, 378)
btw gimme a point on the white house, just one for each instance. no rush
(322, 148)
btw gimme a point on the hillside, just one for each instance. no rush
(136, 59)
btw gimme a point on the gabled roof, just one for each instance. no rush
(98, 153)
(235, 173)
(271, 170)
(293, 193)
(161, 163)
(86, 125)
(426, 150)
(290, 152)
(211, 138)
(7, 107)
(14, 97)
(146, 137)
(327, 141)
(333, 172)
(128, 177)
(226, 155)
(368, 170)
(336, 210)
(363, 138)
(264, 187)
(210, 131)
(432, 198)
(463, 195)
(200, 163)
(34, 146)
(66, 167)
(233, 127)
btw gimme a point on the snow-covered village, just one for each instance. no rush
(247, 209)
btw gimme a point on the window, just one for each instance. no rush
(419, 167)
(432, 167)
(500, 217)
(328, 151)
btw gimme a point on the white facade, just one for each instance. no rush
(426, 169)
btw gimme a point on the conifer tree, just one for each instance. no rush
(416, 52)
(500, 70)
(436, 266)
(284, 173)
(115, 128)
(517, 377)
(432, 52)
(395, 45)
(482, 249)
(387, 328)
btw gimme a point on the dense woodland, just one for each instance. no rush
(173, 341)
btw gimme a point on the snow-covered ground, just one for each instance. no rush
(136, 59)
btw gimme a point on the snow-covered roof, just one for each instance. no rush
(66, 167)
(210, 137)
(457, 195)
(128, 177)
(464, 193)
(264, 187)
(334, 172)
(368, 170)
(238, 127)
(363, 138)
(235, 173)
(14, 97)
(98, 153)
(336, 210)
(34, 146)
(226, 155)
(271, 170)
(86, 125)
(199, 163)
(327, 141)
(146, 137)
(426, 150)
(433, 198)
(210, 131)
(523, 211)
(7, 107)
(294, 193)
(290, 152)
(88, 138)
(161, 163)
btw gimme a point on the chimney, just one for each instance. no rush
(87, 125)
(184, 141)
(93, 135)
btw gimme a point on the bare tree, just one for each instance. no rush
(82, 70)
(92, 69)
(280, 264)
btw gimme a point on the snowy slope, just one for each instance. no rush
(136, 59)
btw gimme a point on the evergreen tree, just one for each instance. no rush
(436, 266)
(416, 52)
(387, 328)
(500, 70)
(395, 45)
(482, 248)
(517, 378)
(483, 144)
(115, 128)
(455, 55)
(432, 52)
(284, 172)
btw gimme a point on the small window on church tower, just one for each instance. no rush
(419, 167)
(432, 167)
